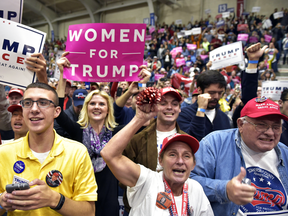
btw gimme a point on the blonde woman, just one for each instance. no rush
(94, 129)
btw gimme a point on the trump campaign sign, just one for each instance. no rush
(18, 41)
(226, 55)
(273, 89)
(11, 10)
(101, 52)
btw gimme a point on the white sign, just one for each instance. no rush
(146, 21)
(179, 21)
(226, 55)
(256, 9)
(273, 89)
(225, 14)
(196, 31)
(181, 34)
(278, 15)
(207, 11)
(17, 42)
(11, 10)
(57, 71)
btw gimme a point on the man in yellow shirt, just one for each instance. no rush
(58, 170)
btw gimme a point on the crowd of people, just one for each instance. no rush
(216, 148)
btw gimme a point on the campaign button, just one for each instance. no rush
(19, 167)
(163, 200)
(54, 178)
(260, 99)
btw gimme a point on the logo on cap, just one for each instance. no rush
(260, 99)
(80, 95)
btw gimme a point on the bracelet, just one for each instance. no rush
(251, 71)
(253, 62)
(60, 204)
(201, 110)
(142, 85)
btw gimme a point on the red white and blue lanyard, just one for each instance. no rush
(185, 202)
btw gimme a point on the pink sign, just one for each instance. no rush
(176, 50)
(203, 57)
(105, 52)
(191, 46)
(151, 30)
(267, 38)
(180, 62)
(242, 37)
(162, 30)
(253, 39)
(148, 38)
(242, 27)
(158, 76)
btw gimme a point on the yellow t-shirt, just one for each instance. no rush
(68, 157)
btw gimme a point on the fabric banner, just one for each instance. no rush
(180, 62)
(242, 37)
(178, 78)
(105, 52)
(11, 10)
(256, 9)
(242, 27)
(226, 55)
(17, 42)
(278, 14)
(191, 46)
(267, 38)
(240, 7)
(273, 89)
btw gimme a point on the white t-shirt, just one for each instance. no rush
(160, 137)
(142, 197)
(210, 114)
(40, 156)
(261, 169)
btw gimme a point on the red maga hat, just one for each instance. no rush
(260, 106)
(189, 140)
(167, 90)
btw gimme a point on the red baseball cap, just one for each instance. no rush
(13, 107)
(19, 91)
(195, 92)
(261, 106)
(169, 89)
(189, 140)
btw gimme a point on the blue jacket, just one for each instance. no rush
(219, 159)
(199, 127)
(123, 115)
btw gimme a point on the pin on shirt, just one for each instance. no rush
(19, 167)
(163, 200)
(54, 178)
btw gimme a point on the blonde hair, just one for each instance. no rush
(109, 120)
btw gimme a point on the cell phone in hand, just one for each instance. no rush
(17, 186)
(182, 85)
(119, 92)
(149, 84)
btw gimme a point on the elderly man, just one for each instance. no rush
(253, 151)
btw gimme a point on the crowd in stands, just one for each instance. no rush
(103, 115)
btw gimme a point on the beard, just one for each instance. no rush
(212, 106)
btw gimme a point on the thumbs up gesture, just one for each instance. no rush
(239, 193)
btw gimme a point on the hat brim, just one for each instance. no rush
(78, 102)
(259, 114)
(189, 140)
(12, 108)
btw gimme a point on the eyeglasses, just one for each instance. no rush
(264, 127)
(41, 103)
